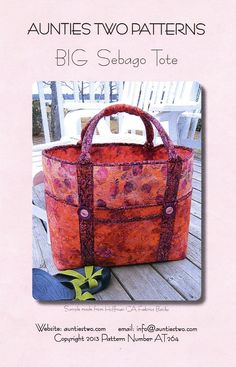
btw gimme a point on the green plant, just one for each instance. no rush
(199, 125)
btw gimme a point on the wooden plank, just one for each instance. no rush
(195, 226)
(40, 241)
(197, 162)
(196, 209)
(184, 276)
(197, 176)
(194, 253)
(39, 212)
(38, 195)
(197, 168)
(38, 207)
(37, 257)
(197, 195)
(142, 282)
(197, 185)
(114, 292)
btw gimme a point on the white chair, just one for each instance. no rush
(188, 134)
(137, 94)
(172, 99)
(134, 93)
(166, 100)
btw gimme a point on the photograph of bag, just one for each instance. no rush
(118, 203)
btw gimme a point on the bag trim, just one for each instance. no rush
(85, 212)
(160, 203)
(120, 208)
(45, 154)
(169, 210)
(125, 220)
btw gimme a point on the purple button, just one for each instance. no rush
(84, 213)
(169, 210)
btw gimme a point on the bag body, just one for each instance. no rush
(118, 204)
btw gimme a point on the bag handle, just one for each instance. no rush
(88, 136)
(148, 128)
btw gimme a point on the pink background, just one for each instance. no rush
(211, 61)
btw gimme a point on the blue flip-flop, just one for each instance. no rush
(91, 279)
(46, 287)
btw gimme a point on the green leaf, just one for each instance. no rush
(85, 296)
(81, 279)
(73, 274)
(88, 271)
(92, 283)
(97, 273)
(78, 292)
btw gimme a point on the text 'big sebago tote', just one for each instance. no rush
(117, 204)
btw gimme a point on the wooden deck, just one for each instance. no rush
(169, 281)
